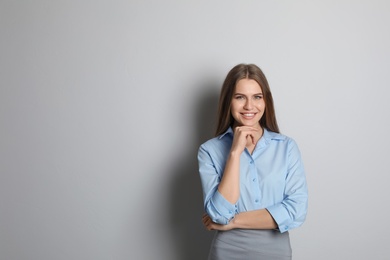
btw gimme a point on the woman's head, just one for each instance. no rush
(246, 77)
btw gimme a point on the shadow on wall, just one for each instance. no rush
(192, 240)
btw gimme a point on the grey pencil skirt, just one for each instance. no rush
(248, 244)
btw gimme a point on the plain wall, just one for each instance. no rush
(103, 105)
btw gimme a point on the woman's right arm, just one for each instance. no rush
(221, 193)
(229, 187)
(216, 205)
(230, 182)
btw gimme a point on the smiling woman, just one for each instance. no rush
(253, 179)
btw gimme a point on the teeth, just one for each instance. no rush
(248, 114)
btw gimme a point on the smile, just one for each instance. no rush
(248, 115)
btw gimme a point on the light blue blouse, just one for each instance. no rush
(273, 177)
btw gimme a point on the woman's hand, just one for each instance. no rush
(245, 135)
(210, 225)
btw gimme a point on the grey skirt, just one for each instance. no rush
(248, 244)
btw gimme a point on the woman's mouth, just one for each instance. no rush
(248, 115)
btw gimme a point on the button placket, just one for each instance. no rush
(256, 187)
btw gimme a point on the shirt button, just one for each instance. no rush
(251, 162)
(254, 180)
(256, 201)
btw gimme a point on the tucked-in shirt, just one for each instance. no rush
(272, 178)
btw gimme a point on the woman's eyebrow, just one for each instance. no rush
(245, 94)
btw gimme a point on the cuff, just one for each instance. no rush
(280, 216)
(224, 209)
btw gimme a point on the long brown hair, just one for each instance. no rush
(245, 71)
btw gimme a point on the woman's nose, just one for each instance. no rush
(248, 104)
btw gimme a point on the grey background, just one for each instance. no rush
(103, 105)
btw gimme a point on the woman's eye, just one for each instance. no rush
(239, 97)
(258, 97)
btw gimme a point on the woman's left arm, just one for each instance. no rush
(291, 211)
(255, 219)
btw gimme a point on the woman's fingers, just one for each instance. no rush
(240, 139)
(210, 225)
(207, 222)
(242, 133)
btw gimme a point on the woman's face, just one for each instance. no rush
(248, 104)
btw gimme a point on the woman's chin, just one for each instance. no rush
(250, 124)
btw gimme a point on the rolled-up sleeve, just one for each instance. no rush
(216, 206)
(291, 212)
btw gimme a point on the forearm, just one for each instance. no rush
(229, 187)
(256, 219)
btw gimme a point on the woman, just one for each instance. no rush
(252, 176)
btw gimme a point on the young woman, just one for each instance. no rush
(252, 176)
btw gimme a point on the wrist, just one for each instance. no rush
(234, 222)
(234, 154)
